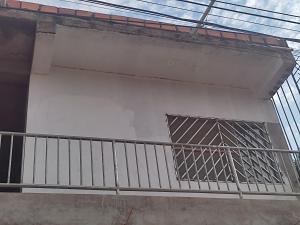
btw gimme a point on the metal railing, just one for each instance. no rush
(88, 163)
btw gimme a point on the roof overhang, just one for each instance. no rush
(208, 57)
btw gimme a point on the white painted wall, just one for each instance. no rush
(78, 102)
(83, 103)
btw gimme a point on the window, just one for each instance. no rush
(208, 163)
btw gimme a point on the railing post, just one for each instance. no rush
(235, 176)
(116, 173)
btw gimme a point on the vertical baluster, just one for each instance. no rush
(196, 168)
(34, 159)
(278, 169)
(235, 176)
(252, 168)
(286, 171)
(205, 168)
(214, 167)
(127, 165)
(244, 169)
(262, 173)
(176, 165)
(167, 166)
(23, 158)
(10, 158)
(80, 161)
(57, 155)
(137, 165)
(269, 170)
(70, 164)
(223, 167)
(103, 165)
(157, 166)
(116, 174)
(46, 160)
(147, 165)
(293, 168)
(186, 167)
(92, 161)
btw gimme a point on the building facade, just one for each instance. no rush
(94, 103)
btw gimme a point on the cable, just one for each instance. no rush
(259, 9)
(211, 14)
(240, 12)
(170, 6)
(251, 32)
(149, 12)
(220, 16)
(115, 10)
(256, 23)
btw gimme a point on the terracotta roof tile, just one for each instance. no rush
(119, 19)
(49, 9)
(214, 33)
(65, 11)
(201, 31)
(168, 27)
(228, 35)
(101, 16)
(272, 41)
(257, 39)
(154, 25)
(82, 13)
(13, 4)
(30, 6)
(136, 22)
(242, 37)
(184, 29)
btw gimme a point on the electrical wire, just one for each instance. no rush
(240, 12)
(149, 12)
(258, 9)
(116, 10)
(219, 16)
(183, 19)
(165, 20)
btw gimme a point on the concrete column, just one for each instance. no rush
(43, 47)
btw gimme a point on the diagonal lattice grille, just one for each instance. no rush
(213, 164)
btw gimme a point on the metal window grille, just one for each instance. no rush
(215, 165)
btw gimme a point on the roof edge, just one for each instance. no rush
(264, 40)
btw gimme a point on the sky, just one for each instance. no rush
(191, 11)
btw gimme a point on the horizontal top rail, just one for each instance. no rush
(117, 140)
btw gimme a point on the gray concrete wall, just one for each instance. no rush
(57, 209)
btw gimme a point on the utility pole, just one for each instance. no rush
(205, 14)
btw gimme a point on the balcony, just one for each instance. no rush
(124, 166)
